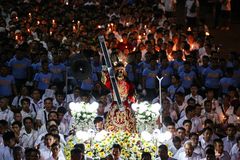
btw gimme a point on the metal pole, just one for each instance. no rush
(111, 72)
(160, 96)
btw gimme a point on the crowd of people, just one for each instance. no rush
(200, 85)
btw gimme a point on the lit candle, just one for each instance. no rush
(16, 37)
(121, 40)
(134, 49)
(207, 33)
(30, 15)
(53, 21)
(28, 30)
(38, 22)
(127, 24)
(78, 24)
(17, 18)
(50, 32)
(99, 27)
(189, 29)
(66, 3)
(145, 26)
(74, 28)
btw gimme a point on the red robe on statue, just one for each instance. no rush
(122, 120)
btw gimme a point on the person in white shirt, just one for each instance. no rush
(75, 96)
(170, 6)
(18, 153)
(235, 151)
(51, 127)
(219, 151)
(28, 135)
(188, 153)
(179, 104)
(192, 7)
(235, 117)
(3, 128)
(55, 149)
(26, 112)
(194, 94)
(116, 151)
(210, 96)
(17, 100)
(46, 149)
(210, 154)
(230, 140)
(32, 153)
(36, 101)
(58, 101)
(208, 113)
(5, 113)
(206, 138)
(53, 115)
(181, 133)
(163, 153)
(195, 143)
(190, 115)
(6, 152)
(42, 115)
(194, 138)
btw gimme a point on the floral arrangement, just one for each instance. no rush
(146, 115)
(84, 114)
(99, 145)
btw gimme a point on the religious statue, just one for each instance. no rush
(121, 119)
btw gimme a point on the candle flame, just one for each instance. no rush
(189, 29)
(38, 22)
(207, 33)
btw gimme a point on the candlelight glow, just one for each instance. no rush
(189, 29)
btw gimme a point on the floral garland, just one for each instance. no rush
(83, 114)
(100, 145)
(146, 115)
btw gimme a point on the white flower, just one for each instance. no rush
(101, 136)
(155, 108)
(81, 135)
(93, 107)
(148, 113)
(156, 132)
(146, 136)
(73, 106)
(143, 107)
(135, 107)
